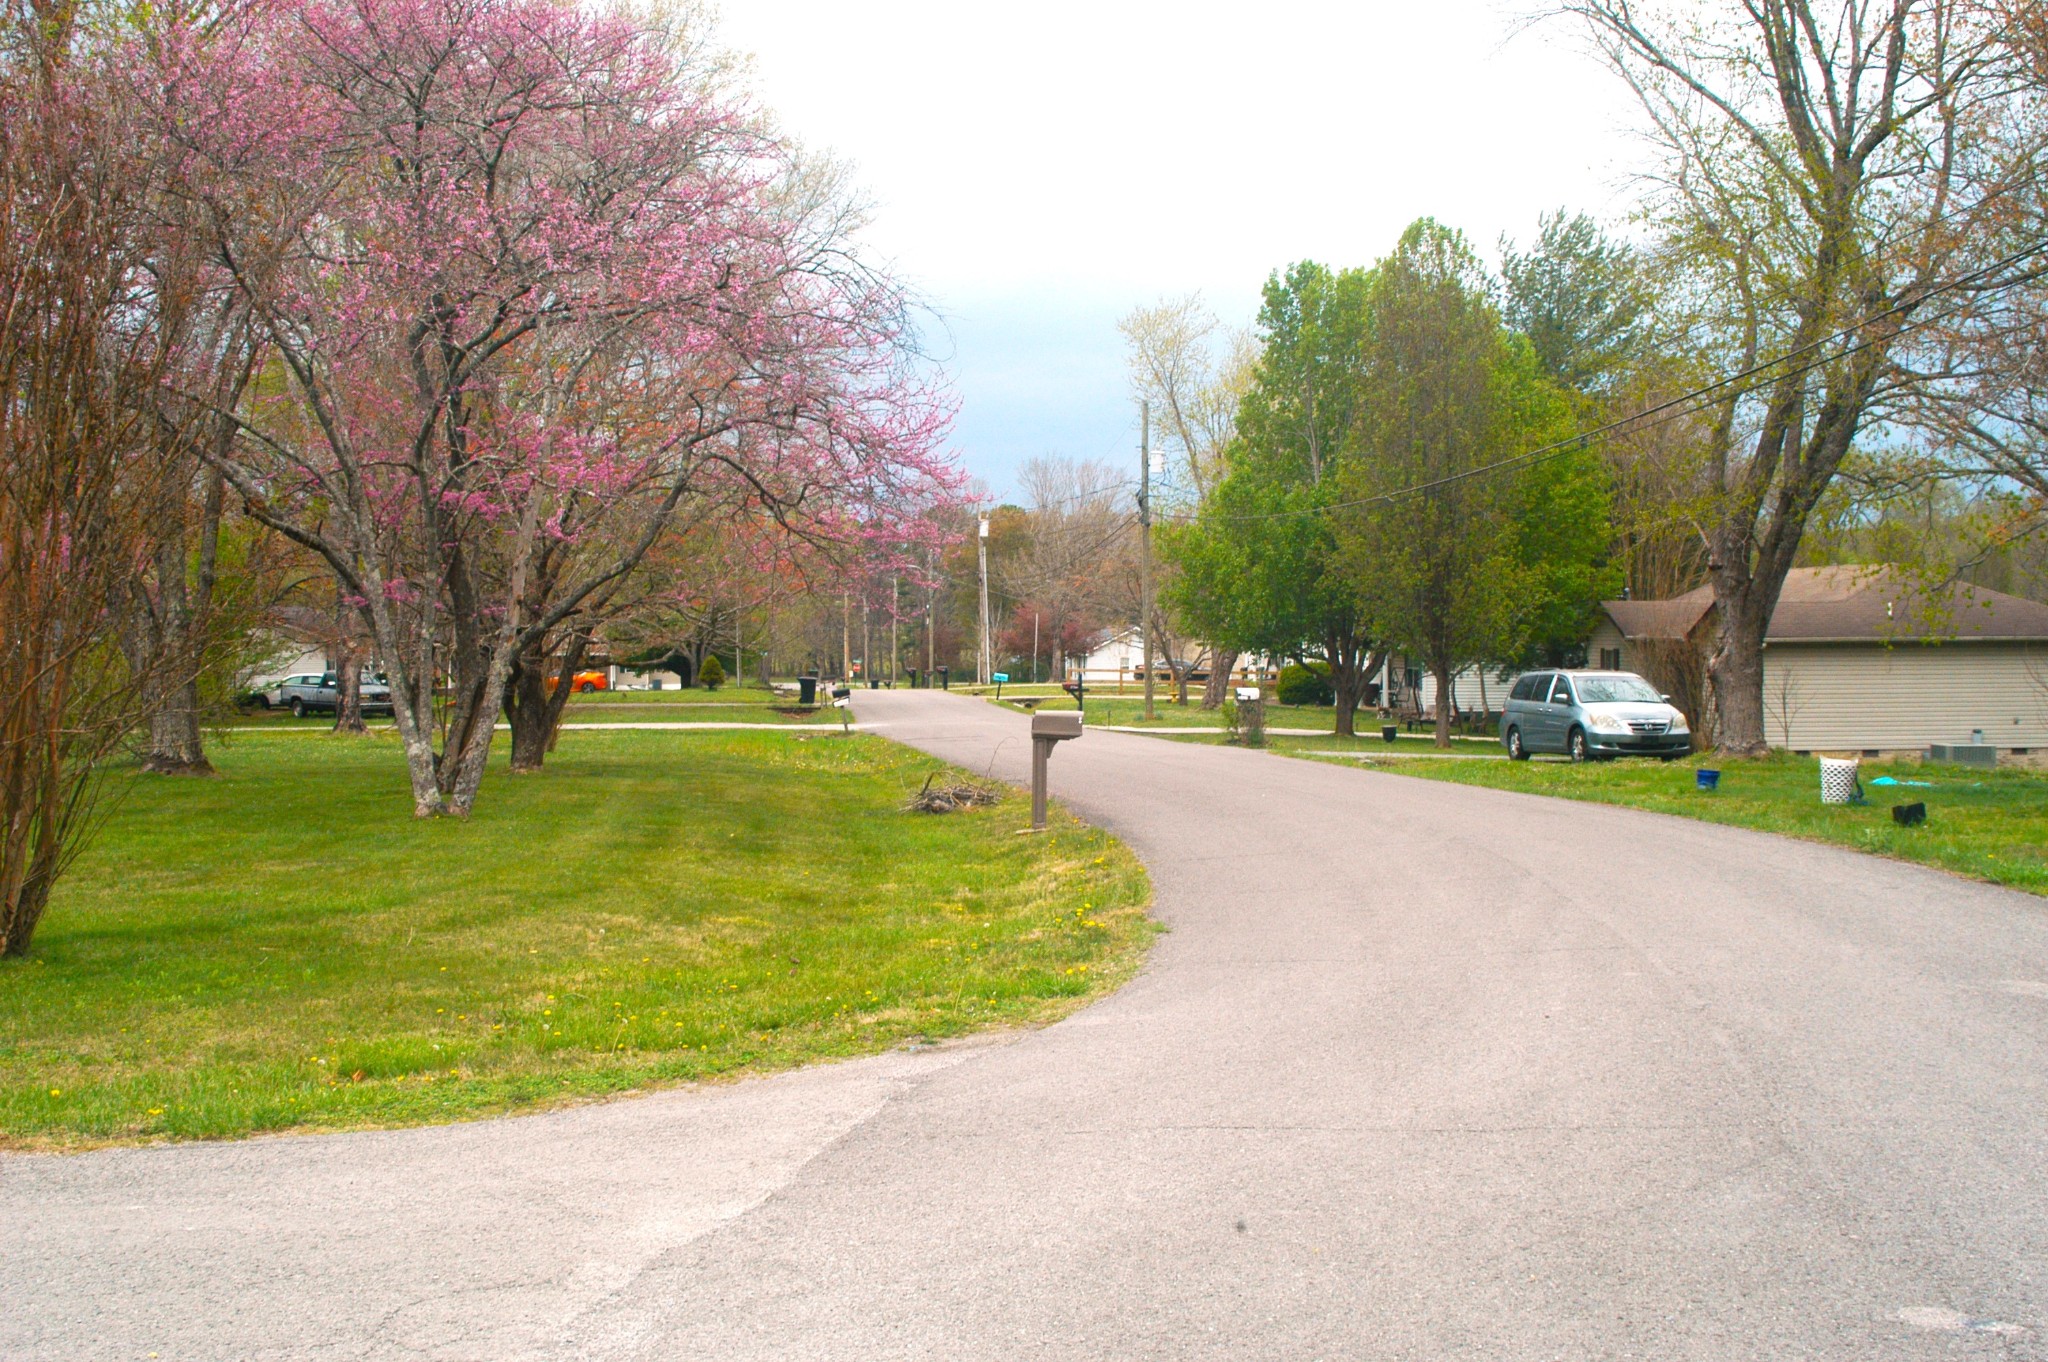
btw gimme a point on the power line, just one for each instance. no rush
(1688, 402)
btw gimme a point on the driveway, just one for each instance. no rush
(1420, 1071)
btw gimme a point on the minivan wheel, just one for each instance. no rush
(1576, 745)
(1516, 751)
(298, 708)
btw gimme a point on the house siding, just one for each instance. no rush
(1605, 638)
(1468, 688)
(1826, 697)
(292, 659)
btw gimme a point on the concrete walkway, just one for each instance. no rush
(1420, 1071)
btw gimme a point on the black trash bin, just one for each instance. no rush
(807, 690)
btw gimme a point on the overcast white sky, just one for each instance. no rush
(1038, 171)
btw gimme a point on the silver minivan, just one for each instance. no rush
(1591, 716)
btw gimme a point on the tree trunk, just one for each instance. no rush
(1344, 687)
(181, 626)
(1220, 668)
(1341, 656)
(1446, 703)
(535, 712)
(412, 699)
(1735, 669)
(1342, 649)
(471, 664)
(465, 765)
(22, 903)
(348, 688)
(526, 709)
(175, 743)
(467, 751)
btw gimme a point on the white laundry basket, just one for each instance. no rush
(1838, 781)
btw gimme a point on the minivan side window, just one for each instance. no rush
(1523, 685)
(1561, 693)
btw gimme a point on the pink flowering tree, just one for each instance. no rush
(532, 289)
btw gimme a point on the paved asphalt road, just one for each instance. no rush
(1420, 1071)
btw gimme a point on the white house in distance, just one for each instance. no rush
(1863, 660)
(1117, 656)
(1112, 655)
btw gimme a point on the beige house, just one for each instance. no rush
(1861, 660)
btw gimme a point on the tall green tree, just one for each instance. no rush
(1460, 561)
(1583, 300)
(1256, 568)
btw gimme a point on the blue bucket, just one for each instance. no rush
(1707, 779)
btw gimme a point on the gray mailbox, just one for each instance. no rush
(1047, 729)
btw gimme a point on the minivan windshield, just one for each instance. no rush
(1602, 690)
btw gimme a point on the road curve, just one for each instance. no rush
(1420, 1071)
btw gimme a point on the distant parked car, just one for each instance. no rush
(1591, 716)
(586, 682)
(320, 693)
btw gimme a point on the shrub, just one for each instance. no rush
(713, 674)
(1305, 684)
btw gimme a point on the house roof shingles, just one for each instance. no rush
(1853, 605)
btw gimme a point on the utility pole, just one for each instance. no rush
(986, 665)
(895, 626)
(1034, 647)
(1145, 541)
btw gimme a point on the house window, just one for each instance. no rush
(1610, 659)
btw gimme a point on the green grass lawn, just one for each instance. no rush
(284, 947)
(1991, 825)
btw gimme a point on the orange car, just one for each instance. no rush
(585, 682)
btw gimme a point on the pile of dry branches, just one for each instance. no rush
(964, 794)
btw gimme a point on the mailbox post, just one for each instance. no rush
(1047, 729)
